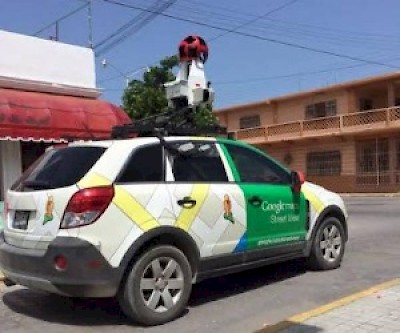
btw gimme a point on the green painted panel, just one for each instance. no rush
(280, 217)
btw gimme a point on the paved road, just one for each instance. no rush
(237, 303)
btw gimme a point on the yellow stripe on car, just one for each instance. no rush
(93, 179)
(314, 200)
(187, 215)
(134, 210)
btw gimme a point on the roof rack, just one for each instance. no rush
(176, 122)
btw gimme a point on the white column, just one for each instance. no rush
(10, 164)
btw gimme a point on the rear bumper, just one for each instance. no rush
(88, 274)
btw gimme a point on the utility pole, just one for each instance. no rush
(57, 31)
(90, 24)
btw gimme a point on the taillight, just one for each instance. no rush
(86, 206)
(60, 263)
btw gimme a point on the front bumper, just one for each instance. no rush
(88, 274)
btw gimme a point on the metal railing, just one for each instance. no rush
(352, 122)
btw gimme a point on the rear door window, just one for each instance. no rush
(59, 167)
(197, 162)
(146, 164)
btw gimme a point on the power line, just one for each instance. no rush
(61, 18)
(128, 73)
(298, 74)
(277, 77)
(244, 34)
(132, 26)
(296, 31)
(315, 27)
(285, 5)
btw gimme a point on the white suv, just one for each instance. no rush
(145, 218)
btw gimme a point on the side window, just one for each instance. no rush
(144, 165)
(197, 162)
(255, 168)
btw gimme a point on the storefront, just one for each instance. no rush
(31, 121)
(48, 95)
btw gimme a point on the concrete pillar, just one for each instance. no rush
(275, 113)
(352, 102)
(10, 165)
(391, 94)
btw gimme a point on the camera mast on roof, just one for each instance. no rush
(189, 91)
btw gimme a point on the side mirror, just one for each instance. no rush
(297, 180)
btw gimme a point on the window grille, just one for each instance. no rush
(373, 162)
(250, 121)
(327, 163)
(320, 110)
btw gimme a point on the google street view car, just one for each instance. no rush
(144, 218)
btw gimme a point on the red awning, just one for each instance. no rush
(34, 116)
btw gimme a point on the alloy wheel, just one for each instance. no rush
(330, 243)
(161, 284)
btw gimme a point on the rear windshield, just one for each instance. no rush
(58, 168)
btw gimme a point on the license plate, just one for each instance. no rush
(21, 220)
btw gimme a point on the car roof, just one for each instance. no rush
(130, 143)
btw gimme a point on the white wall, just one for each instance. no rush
(10, 164)
(31, 58)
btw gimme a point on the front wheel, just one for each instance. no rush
(328, 245)
(158, 286)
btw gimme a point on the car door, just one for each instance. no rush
(276, 213)
(206, 201)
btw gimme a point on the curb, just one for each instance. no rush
(370, 195)
(302, 317)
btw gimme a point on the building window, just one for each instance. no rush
(398, 154)
(373, 162)
(250, 121)
(366, 104)
(373, 156)
(326, 163)
(320, 110)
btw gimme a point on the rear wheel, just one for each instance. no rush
(158, 286)
(328, 245)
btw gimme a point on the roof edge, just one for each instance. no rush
(342, 85)
(46, 87)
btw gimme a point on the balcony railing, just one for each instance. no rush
(345, 123)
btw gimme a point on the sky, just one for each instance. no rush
(263, 48)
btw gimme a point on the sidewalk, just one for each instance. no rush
(376, 309)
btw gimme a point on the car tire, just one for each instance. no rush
(157, 287)
(328, 245)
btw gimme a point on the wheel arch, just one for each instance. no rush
(164, 235)
(329, 211)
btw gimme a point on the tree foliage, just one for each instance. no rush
(146, 97)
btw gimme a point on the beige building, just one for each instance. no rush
(345, 137)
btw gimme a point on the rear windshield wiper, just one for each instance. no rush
(37, 184)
